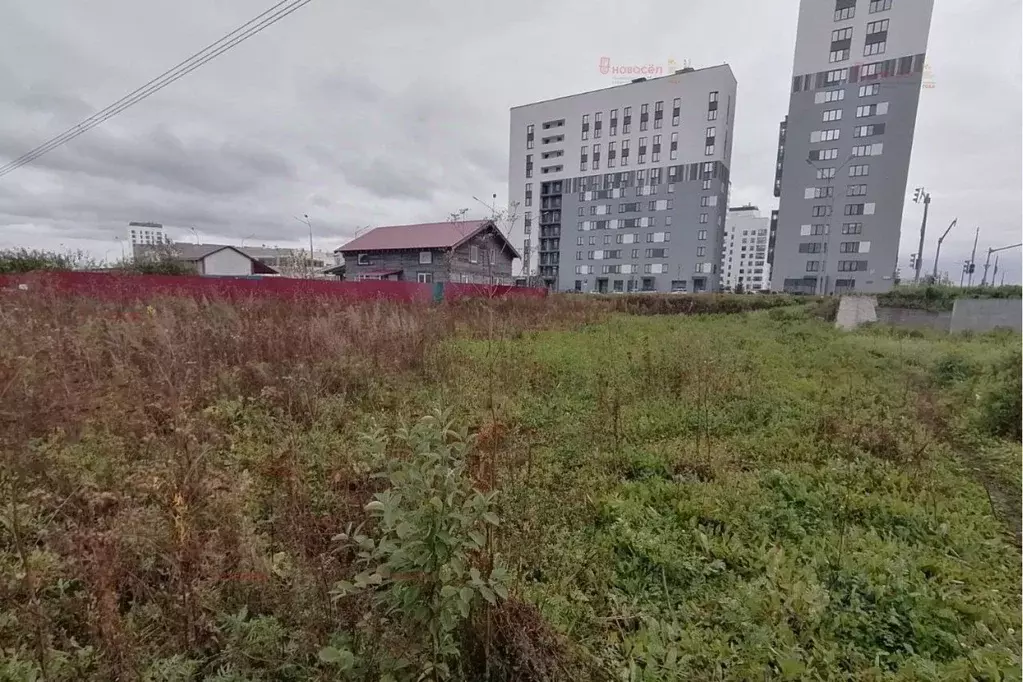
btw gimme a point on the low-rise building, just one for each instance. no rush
(291, 262)
(472, 251)
(213, 260)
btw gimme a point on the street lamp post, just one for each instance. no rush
(305, 219)
(937, 252)
(823, 279)
(921, 195)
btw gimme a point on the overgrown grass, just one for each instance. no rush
(745, 496)
(941, 298)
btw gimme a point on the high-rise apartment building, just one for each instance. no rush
(744, 256)
(147, 234)
(844, 148)
(626, 188)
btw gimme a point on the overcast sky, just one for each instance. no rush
(388, 112)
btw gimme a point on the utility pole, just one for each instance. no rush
(973, 258)
(921, 195)
(937, 251)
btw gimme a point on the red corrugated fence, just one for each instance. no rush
(128, 287)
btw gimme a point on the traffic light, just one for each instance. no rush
(917, 195)
(912, 260)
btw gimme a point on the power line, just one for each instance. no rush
(183, 68)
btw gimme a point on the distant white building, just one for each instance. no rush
(744, 257)
(149, 234)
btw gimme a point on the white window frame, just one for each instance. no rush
(474, 253)
(426, 257)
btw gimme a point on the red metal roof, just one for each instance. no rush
(424, 236)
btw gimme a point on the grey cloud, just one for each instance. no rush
(390, 178)
(371, 113)
(161, 158)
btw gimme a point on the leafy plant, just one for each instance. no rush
(419, 558)
(1001, 402)
(16, 261)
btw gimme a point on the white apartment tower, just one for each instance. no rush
(745, 263)
(148, 234)
(844, 151)
(626, 188)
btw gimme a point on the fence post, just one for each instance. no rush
(438, 292)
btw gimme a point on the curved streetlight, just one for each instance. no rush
(937, 252)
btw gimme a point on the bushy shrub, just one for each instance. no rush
(158, 266)
(426, 558)
(942, 298)
(952, 368)
(1001, 405)
(17, 261)
(696, 304)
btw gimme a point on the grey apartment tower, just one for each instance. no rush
(844, 148)
(626, 188)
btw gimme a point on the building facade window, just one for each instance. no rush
(878, 47)
(859, 171)
(827, 96)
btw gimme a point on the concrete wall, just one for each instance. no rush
(855, 310)
(981, 315)
(910, 318)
